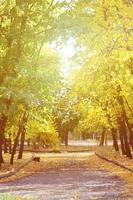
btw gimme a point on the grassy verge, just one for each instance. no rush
(5, 167)
(110, 153)
(62, 148)
(49, 161)
(11, 197)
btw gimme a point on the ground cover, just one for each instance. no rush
(6, 167)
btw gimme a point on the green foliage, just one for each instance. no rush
(30, 77)
(43, 132)
(106, 71)
(11, 197)
(65, 117)
(29, 69)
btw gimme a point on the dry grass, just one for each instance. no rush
(5, 167)
(110, 153)
(62, 148)
(126, 175)
(49, 161)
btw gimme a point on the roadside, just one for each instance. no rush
(8, 170)
(6, 167)
(51, 161)
(111, 154)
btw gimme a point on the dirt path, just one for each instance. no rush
(66, 183)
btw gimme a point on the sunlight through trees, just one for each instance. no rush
(66, 68)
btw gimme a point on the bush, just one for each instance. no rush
(43, 134)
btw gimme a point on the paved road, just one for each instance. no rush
(66, 183)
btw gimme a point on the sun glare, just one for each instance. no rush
(67, 52)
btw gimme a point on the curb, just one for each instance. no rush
(46, 151)
(13, 172)
(62, 151)
(114, 162)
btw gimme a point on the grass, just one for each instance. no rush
(11, 197)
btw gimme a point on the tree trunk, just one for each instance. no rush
(106, 140)
(21, 148)
(122, 144)
(3, 121)
(10, 146)
(1, 156)
(102, 139)
(123, 131)
(66, 139)
(34, 145)
(114, 137)
(122, 123)
(20, 130)
(129, 128)
(15, 145)
(5, 146)
(28, 143)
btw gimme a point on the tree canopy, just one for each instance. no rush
(36, 102)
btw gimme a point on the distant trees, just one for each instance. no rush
(65, 117)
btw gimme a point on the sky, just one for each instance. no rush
(66, 52)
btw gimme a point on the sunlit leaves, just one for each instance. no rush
(96, 83)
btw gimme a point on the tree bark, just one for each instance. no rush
(15, 145)
(122, 143)
(20, 130)
(5, 146)
(66, 139)
(21, 148)
(123, 131)
(102, 139)
(10, 146)
(123, 120)
(3, 121)
(114, 137)
(28, 142)
(129, 128)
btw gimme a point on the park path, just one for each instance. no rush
(65, 183)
